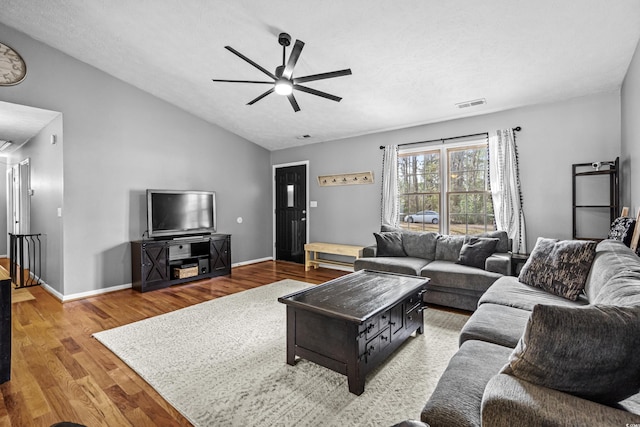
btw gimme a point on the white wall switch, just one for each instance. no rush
(313, 204)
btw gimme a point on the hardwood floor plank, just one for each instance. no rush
(60, 372)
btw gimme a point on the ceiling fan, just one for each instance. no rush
(283, 82)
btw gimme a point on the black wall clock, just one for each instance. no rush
(12, 67)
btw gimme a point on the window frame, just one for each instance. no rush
(445, 149)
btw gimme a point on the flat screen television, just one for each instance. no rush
(180, 213)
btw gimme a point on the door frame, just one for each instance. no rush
(273, 200)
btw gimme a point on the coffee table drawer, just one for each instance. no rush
(372, 326)
(370, 348)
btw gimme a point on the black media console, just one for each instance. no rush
(158, 264)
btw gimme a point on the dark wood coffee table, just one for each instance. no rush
(355, 322)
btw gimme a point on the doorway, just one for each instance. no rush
(291, 226)
(19, 202)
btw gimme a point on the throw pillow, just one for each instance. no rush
(589, 351)
(476, 250)
(389, 243)
(559, 266)
(622, 229)
(503, 239)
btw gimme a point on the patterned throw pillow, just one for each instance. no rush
(622, 229)
(559, 266)
(389, 243)
(589, 351)
(476, 250)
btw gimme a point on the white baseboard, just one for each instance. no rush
(81, 295)
(336, 267)
(253, 261)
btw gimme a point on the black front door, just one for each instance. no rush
(291, 214)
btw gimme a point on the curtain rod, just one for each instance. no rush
(515, 129)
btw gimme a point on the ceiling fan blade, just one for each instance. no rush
(235, 52)
(260, 97)
(241, 81)
(317, 92)
(293, 102)
(293, 59)
(321, 76)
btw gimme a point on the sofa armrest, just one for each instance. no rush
(499, 262)
(507, 398)
(369, 251)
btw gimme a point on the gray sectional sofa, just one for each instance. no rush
(457, 280)
(529, 356)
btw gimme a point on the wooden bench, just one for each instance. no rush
(311, 251)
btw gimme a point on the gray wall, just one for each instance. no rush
(553, 137)
(45, 162)
(631, 134)
(119, 141)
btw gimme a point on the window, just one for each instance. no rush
(458, 204)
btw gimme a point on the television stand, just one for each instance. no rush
(157, 264)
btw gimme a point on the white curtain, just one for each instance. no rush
(504, 181)
(390, 186)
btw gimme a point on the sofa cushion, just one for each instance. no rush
(510, 401)
(611, 258)
(508, 291)
(389, 243)
(420, 245)
(448, 247)
(452, 275)
(503, 239)
(497, 324)
(401, 265)
(559, 266)
(476, 250)
(623, 289)
(457, 397)
(591, 351)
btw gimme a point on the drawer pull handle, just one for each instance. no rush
(392, 323)
(370, 350)
(385, 338)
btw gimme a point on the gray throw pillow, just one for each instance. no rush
(389, 244)
(559, 266)
(503, 243)
(448, 247)
(590, 351)
(476, 250)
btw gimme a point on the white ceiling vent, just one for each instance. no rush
(473, 103)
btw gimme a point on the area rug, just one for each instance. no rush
(223, 362)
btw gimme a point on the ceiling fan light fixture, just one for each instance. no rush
(284, 87)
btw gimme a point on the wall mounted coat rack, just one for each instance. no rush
(345, 179)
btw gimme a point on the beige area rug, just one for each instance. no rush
(222, 363)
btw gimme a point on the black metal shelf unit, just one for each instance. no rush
(594, 169)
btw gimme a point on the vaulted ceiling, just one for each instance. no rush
(412, 60)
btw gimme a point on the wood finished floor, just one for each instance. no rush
(60, 373)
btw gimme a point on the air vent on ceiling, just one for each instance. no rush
(473, 103)
(303, 136)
